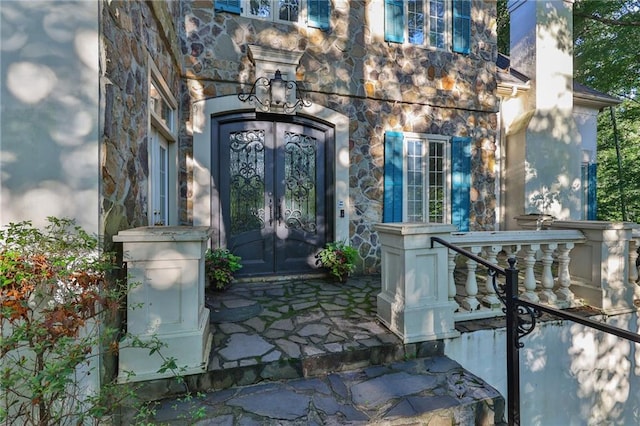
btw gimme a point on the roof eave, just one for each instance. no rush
(594, 101)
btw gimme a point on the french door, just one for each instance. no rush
(274, 198)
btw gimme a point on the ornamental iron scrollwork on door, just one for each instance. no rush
(247, 168)
(300, 182)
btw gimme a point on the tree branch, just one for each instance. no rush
(606, 21)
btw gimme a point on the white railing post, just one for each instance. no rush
(547, 295)
(564, 293)
(414, 298)
(470, 301)
(491, 299)
(529, 260)
(451, 266)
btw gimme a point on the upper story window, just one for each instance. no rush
(427, 179)
(315, 13)
(442, 24)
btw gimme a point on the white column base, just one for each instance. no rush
(190, 350)
(436, 319)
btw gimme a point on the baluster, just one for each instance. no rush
(633, 256)
(564, 277)
(452, 279)
(470, 301)
(547, 295)
(491, 299)
(529, 261)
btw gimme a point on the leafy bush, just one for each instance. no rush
(54, 299)
(338, 258)
(220, 265)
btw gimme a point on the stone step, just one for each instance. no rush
(426, 391)
(304, 366)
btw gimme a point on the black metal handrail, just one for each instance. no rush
(516, 311)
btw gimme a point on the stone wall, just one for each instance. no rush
(380, 86)
(131, 32)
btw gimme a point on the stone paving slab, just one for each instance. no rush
(422, 391)
(311, 352)
(297, 322)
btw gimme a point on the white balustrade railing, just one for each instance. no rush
(539, 254)
(427, 288)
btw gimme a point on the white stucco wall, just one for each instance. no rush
(569, 374)
(542, 48)
(587, 121)
(49, 97)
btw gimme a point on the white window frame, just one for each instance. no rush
(426, 139)
(273, 16)
(162, 134)
(448, 25)
(159, 178)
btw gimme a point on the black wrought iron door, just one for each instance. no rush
(273, 194)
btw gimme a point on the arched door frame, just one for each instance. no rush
(204, 196)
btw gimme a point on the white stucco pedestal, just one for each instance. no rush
(600, 266)
(165, 270)
(414, 299)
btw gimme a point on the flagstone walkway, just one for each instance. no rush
(308, 351)
(302, 322)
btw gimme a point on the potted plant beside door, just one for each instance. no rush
(339, 259)
(220, 266)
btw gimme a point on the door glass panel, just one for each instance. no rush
(300, 182)
(246, 164)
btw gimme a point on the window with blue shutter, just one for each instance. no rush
(393, 161)
(232, 6)
(394, 21)
(461, 26)
(460, 182)
(592, 204)
(318, 14)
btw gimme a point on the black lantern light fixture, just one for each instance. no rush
(273, 95)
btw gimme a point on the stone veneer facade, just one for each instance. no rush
(379, 86)
(131, 33)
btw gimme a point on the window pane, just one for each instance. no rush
(437, 23)
(260, 8)
(415, 180)
(160, 107)
(436, 182)
(288, 10)
(416, 21)
(163, 184)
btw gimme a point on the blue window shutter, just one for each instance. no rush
(232, 6)
(318, 13)
(461, 26)
(460, 182)
(392, 207)
(394, 21)
(592, 203)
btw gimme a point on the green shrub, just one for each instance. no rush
(54, 299)
(338, 258)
